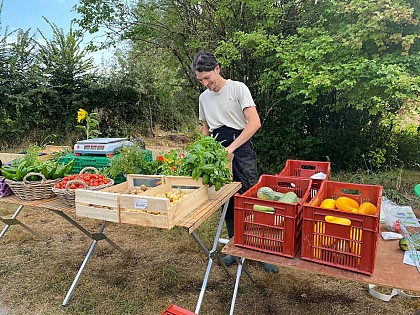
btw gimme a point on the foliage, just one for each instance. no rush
(32, 155)
(204, 158)
(91, 123)
(168, 163)
(129, 160)
(207, 158)
(331, 79)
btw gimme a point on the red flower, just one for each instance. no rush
(161, 158)
(173, 167)
(181, 155)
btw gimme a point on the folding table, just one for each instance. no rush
(389, 269)
(191, 223)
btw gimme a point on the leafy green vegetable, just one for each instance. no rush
(129, 161)
(207, 158)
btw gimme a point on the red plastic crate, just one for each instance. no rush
(176, 310)
(305, 169)
(275, 233)
(350, 247)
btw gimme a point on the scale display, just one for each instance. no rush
(100, 145)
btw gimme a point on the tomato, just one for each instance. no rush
(73, 186)
(57, 185)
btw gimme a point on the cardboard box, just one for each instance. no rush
(7, 157)
(55, 148)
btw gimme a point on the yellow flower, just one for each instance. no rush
(81, 115)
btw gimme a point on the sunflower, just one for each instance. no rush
(81, 115)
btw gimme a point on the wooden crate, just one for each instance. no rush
(148, 210)
(99, 204)
(7, 157)
(104, 204)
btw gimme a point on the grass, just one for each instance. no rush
(165, 267)
(168, 267)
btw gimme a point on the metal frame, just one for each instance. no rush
(14, 221)
(214, 253)
(95, 237)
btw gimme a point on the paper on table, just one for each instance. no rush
(408, 260)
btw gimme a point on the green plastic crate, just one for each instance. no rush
(95, 161)
(80, 162)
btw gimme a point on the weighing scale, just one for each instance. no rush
(100, 146)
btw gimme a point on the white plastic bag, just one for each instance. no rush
(392, 215)
(388, 211)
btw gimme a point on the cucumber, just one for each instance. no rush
(263, 208)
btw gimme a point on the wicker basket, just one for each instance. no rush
(68, 195)
(33, 190)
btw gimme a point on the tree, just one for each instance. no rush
(66, 67)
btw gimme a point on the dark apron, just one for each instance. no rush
(244, 164)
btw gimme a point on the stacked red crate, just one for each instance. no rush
(275, 233)
(351, 242)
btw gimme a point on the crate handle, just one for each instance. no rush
(349, 191)
(307, 167)
(286, 185)
(337, 220)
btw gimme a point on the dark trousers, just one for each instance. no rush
(244, 167)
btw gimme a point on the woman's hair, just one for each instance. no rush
(204, 61)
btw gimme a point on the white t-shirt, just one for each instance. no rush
(226, 107)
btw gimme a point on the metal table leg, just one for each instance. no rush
(96, 237)
(14, 221)
(210, 256)
(235, 290)
(82, 267)
(214, 253)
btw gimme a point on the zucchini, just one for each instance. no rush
(263, 208)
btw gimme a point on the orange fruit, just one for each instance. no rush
(346, 204)
(367, 208)
(328, 203)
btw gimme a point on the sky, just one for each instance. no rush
(28, 14)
